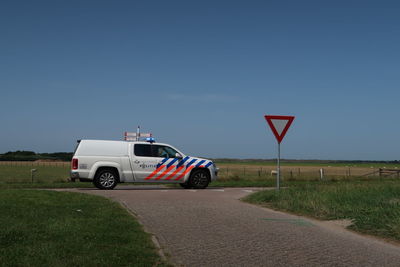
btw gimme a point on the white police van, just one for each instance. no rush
(107, 163)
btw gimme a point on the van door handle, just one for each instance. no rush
(136, 161)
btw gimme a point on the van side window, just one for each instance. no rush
(171, 152)
(163, 151)
(142, 150)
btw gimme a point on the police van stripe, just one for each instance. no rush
(160, 166)
(172, 162)
(190, 163)
(182, 161)
(162, 162)
(201, 162)
(183, 173)
(168, 163)
(174, 173)
(164, 173)
(155, 172)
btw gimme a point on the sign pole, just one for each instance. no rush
(278, 173)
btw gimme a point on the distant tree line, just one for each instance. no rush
(32, 156)
(67, 156)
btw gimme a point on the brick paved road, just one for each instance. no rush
(213, 228)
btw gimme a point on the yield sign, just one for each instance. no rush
(279, 125)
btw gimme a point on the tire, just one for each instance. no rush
(199, 179)
(105, 179)
(185, 185)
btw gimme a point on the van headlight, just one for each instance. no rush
(216, 169)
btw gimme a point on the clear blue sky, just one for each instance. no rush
(201, 75)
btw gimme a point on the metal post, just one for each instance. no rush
(32, 174)
(278, 173)
(137, 133)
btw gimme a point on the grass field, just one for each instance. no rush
(259, 173)
(46, 228)
(301, 172)
(309, 163)
(46, 172)
(372, 206)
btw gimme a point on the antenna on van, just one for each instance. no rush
(132, 136)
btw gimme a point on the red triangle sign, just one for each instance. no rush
(279, 125)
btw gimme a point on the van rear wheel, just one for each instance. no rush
(105, 179)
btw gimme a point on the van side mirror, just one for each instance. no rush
(178, 156)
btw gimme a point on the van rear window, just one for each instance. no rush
(77, 145)
(142, 150)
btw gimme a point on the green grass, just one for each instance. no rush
(242, 183)
(44, 185)
(46, 228)
(44, 174)
(253, 180)
(222, 163)
(259, 182)
(373, 206)
(56, 175)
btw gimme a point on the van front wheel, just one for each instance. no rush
(199, 179)
(105, 179)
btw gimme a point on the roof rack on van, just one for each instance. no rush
(132, 136)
